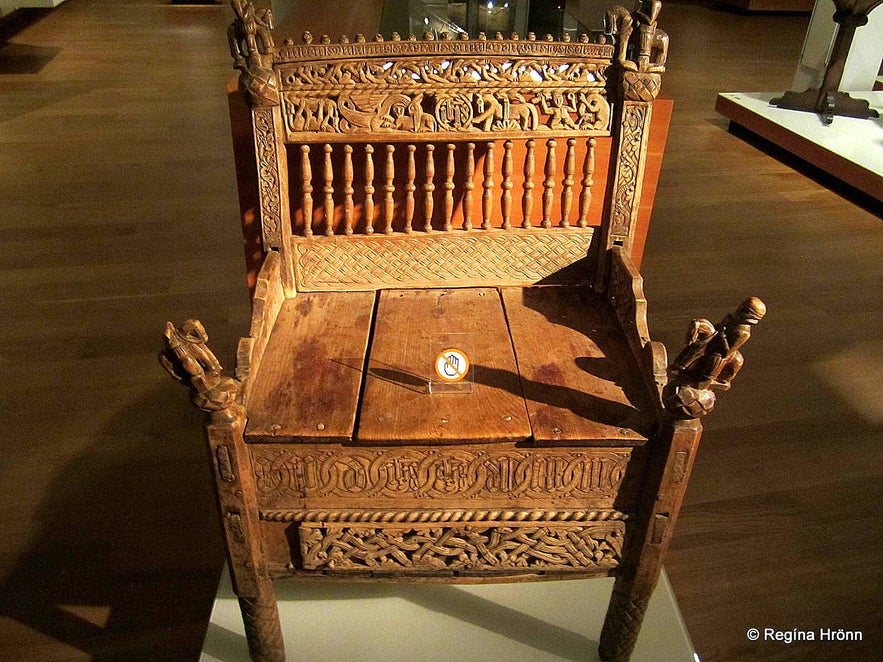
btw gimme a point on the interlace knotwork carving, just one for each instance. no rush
(512, 258)
(463, 548)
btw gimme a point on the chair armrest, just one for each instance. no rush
(625, 291)
(268, 298)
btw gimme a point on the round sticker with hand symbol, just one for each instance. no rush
(452, 365)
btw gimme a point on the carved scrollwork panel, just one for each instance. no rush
(477, 547)
(632, 137)
(266, 151)
(437, 474)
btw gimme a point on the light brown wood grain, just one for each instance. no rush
(308, 385)
(577, 371)
(397, 407)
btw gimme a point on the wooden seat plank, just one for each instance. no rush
(578, 374)
(397, 407)
(307, 387)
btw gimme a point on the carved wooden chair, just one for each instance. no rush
(475, 192)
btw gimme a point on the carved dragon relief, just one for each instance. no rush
(423, 95)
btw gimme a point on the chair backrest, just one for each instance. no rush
(439, 162)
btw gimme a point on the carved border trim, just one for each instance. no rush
(434, 516)
(306, 52)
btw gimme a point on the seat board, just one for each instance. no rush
(307, 387)
(396, 406)
(578, 374)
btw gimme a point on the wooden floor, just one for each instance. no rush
(119, 212)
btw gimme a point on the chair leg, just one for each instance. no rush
(651, 533)
(262, 628)
(234, 480)
(628, 603)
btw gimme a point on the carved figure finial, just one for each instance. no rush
(641, 46)
(710, 360)
(251, 45)
(187, 358)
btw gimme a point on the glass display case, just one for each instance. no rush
(473, 16)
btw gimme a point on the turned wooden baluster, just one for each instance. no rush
(529, 170)
(369, 189)
(549, 183)
(487, 198)
(410, 187)
(428, 188)
(389, 188)
(506, 184)
(449, 188)
(468, 185)
(585, 195)
(329, 192)
(567, 193)
(348, 189)
(307, 187)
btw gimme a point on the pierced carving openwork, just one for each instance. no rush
(463, 547)
(445, 94)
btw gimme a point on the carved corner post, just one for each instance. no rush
(641, 51)
(710, 361)
(237, 503)
(253, 50)
(673, 453)
(187, 358)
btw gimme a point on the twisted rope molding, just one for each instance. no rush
(435, 516)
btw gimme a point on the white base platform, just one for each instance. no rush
(850, 149)
(372, 622)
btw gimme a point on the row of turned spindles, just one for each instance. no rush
(388, 188)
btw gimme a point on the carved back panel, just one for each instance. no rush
(413, 163)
